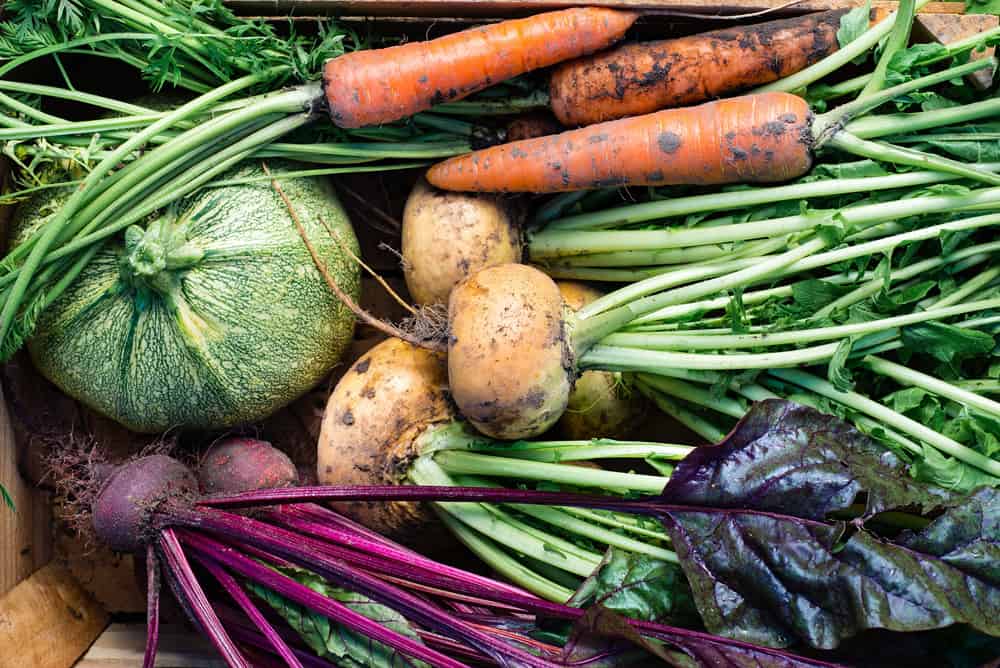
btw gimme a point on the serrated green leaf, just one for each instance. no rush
(853, 24)
(836, 371)
(737, 313)
(845, 170)
(946, 343)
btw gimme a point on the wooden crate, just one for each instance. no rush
(57, 598)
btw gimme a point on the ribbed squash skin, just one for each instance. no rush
(246, 327)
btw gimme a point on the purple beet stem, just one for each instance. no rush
(296, 519)
(152, 607)
(444, 582)
(314, 494)
(299, 593)
(234, 590)
(309, 553)
(250, 636)
(197, 602)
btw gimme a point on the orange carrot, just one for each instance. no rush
(369, 87)
(643, 77)
(751, 139)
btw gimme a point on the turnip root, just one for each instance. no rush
(598, 406)
(389, 422)
(235, 465)
(511, 363)
(447, 236)
(373, 418)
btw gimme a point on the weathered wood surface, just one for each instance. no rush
(48, 621)
(121, 646)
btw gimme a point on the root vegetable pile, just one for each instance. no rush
(793, 228)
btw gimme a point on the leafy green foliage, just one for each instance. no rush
(982, 6)
(332, 641)
(837, 372)
(196, 44)
(766, 564)
(853, 24)
(945, 342)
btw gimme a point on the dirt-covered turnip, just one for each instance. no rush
(447, 236)
(373, 418)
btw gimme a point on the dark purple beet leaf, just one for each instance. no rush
(765, 566)
(784, 456)
(603, 638)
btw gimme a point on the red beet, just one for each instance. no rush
(237, 465)
(132, 493)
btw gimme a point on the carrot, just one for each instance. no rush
(750, 139)
(369, 87)
(643, 77)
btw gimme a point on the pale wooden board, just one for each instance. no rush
(47, 621)
(121, 646)
(501, 8)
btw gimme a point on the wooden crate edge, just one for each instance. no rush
(48, 621)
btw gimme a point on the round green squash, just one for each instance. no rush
(212, 315)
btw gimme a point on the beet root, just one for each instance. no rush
(124, 509)
(235, 465)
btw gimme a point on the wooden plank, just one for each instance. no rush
(121, 646)
(505, 8)
(47, 621)
(25, 534)
(948, 28)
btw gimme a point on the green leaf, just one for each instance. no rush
(946, 343)
(837, 372)
(970, 151)
(948, 472)
(333, 641)
(853, 24)
(7, 499)
(737, 313)
(982, 6)
(813, 294)
(641, 587)
(845, 170)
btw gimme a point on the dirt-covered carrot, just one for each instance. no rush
(640, 78)
(762, 138)
(379, 86)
